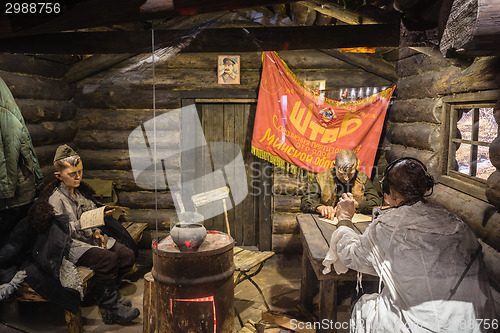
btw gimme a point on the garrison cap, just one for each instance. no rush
(64, 151)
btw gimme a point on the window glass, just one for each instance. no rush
(484, 166)
(462, 157)
(488, 127)
(464, 124)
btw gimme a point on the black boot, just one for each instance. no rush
(124, 300)
(111, 310)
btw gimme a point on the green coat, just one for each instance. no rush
(20, 171)
(323, 191)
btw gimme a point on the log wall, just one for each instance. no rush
(415, 119)
(45, 100)
(114, 102)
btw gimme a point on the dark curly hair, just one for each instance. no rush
(410, 179)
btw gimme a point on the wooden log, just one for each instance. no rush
(480, 75)
(287, 203)
(195, 79)
(295, 59)
(84, 14)
(429, 158)
(35, 87)
(420, 136)
(103, 139)
(492, 190)
(124, 179)
(118, 159)
(472, 211)
(94, 96)
(426, 110)
(472, 28)
(284, 223)
(368, 63)
(495, 147)
(492, 262)
(301, 14)
(32, 65)
(287, 243)
(38, 110)
(155, 218)
(322, 19)
(92, 65)
(45, 154)
(146, 200)
(52, 132)
(420, 63)
(437, 57)
(341, 13)
(121, 120)
(284, 184)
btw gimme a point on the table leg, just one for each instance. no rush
(308, 283)
(328, 305)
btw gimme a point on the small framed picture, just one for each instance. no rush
(228, 69)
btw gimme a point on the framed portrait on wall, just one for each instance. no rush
(228, 69)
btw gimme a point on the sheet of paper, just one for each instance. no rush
(92, 218)
(355, 219)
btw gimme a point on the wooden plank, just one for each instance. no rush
(136, 229)
(328, 303)
(246, 260)
(209, 40)
(308, 282)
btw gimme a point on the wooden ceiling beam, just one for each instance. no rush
(81, 14)
(340, 13)
(208, 40)
(366, 62)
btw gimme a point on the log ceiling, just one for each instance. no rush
(112, 30)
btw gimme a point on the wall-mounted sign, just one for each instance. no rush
(228, 69)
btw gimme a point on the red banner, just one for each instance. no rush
(295, 127)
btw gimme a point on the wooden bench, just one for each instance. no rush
(315, 236)
(249, 263)
(74, 321)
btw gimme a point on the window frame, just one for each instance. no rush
(473, 186)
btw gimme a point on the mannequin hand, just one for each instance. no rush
(346, 207)
(326, 211)
(99, 238)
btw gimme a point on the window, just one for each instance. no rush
(469, 127)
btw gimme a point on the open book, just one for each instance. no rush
(355, 219)
(95, 217)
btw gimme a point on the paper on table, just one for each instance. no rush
(355, 219)
(92, 218)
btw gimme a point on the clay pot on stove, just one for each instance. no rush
(188, 233)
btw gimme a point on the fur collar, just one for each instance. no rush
(41, 212)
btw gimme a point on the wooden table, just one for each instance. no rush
(315, 236)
